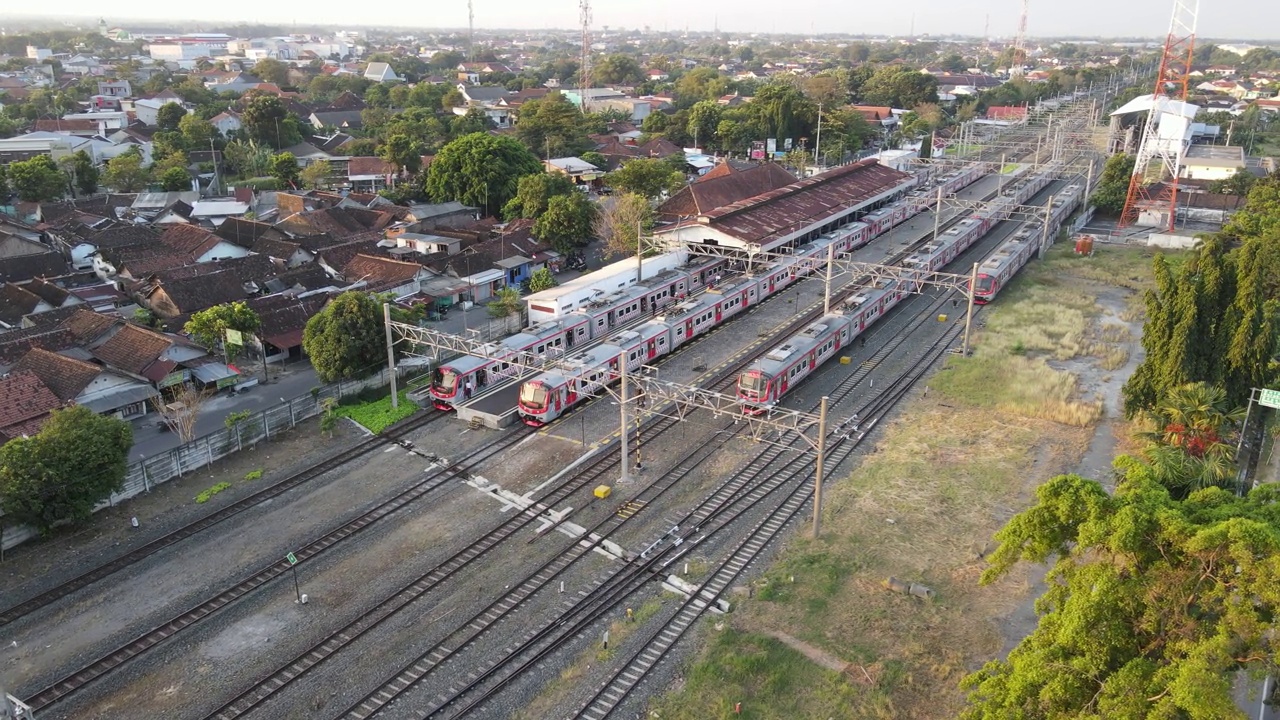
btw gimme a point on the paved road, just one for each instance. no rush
(298, 379)
(1249, 697)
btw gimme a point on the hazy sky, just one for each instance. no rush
(1219, 18)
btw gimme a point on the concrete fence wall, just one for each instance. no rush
(262, 426)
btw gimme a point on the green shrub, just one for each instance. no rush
(377, 415)
(204, 496)
(253, 475)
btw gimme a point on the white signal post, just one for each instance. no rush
(625, 460)
(391, 354)
(968, 315)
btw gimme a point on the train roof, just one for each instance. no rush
(870, 295)
(689, 307)
(616, 297)
(643, 333)
(802, 342)
(1006, 251)
(580, 363)
(466, 363)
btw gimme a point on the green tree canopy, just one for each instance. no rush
(272, 71)
(84, 172)
(1113, 186)
(126, 174)
(76, 460)
(1152, 603)
(402, 151)
(552, 127)
(197, 133)
(647, 177)
(899, 86)
(542, 279)
(284, 167)
(533, 192)
(480, 170)
(174, 180)
(37, 179)
(346, 339)
(779, 110)
(170, 115)
(316, 175)
(209, 327)
(266, 120)
(617, 69)
(567, 223)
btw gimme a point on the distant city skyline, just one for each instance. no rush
(1240, 19)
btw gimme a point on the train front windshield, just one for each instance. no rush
(446, 380)
(985, 283)
(533, 396)
(753, 384)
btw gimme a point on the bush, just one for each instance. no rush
(378, 415)
(253, 475)
(204, 496)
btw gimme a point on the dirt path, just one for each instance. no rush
(817, 655)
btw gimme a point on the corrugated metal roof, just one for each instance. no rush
(788, 209)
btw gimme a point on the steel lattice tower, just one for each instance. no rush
(1154, 183)
(584, 72)
(1018, 66)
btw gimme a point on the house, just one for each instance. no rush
(381, 72)
(55, 295)
(1008, 114)
(474, 72)
(383, 274)
(81, 244)
(341, 119)
(720, 187)
(20, 268)
(1212, 162)
(336, 222)
(147, 110)
(369, 174)
(578, 170)
(115, 88)
(423, 217)
(16, 302)
(283, 319)
(186, 295)
(149, 206)
(656, 75)
(25, 404)
(79, 382)
(200, 245)
(216, 210)
(876, 114)
(227, 122)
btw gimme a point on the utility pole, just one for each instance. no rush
(639, 251)
(817, 143)
(625, 460)
(819, 468)
(968, 315)
(1000, 176)
(391, 355)
(937, 214)
(826, 290)
(1044, 231)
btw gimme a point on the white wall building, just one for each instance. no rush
(179, 51)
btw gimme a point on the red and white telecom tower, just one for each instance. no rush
(1153, 187)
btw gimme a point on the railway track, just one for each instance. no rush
(144, 642)
(62, 590)
(616, 589)
(274, 682)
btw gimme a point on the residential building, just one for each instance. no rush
(381, 72)
(1212, 162)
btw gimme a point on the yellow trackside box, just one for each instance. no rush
(845, 359)
(602, 491)
(942, 318)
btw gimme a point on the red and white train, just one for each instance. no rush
(998, 269)
(617, 309)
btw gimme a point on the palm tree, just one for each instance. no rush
(1189, 443)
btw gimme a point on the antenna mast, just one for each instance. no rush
(1153, 187)
(471, 33)
(1018, 66)
(584, 72)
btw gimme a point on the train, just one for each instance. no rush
(1000, 267)
(673, 286)
(762, 385)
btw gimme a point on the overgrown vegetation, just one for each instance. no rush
(208, 493)
(376, 413)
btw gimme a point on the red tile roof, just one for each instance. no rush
(132, 349)
(23, 399)
(710, 193)
(380, 271)
(1007, 112)
(368, 166)
(771, 216)
(190, 240)
(65, 376)
(86, 325)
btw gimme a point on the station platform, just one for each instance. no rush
(494, 409)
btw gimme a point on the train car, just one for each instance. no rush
(785, 366)
(998, 269)
(450, 381)
(699, 316)
(606, 312)
(703, 271)
(739, 293)
(547, 396)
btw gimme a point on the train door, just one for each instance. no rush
(688, 328)
(719, 312)
(570, 392)
(653, 349)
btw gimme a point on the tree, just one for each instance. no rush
(181, 410)
(781, 111)
(197, 133)
(647, 177)
(1113, 185)
(266, 120)
(209, 327)
(506, 302)
(473, 121)
(542, 279)
(480, 170)
(567, 223)
(620, 221)
(4, 182)
(175, 180)
(403, 152)
(346, 339)
(617, 69)
(37, 179)
(284, 167)
(704, 120)
(1188, 443)
(1239, 184)
(272, 71)
(1153, 604)
(61, 473)
(900, 87)
(533, 192)
(552, 127)
(84, 173)
(316, 175)
(170, 115)
(126, 174)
